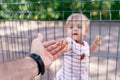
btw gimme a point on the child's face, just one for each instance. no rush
(76, 30)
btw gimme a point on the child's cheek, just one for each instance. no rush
(66, 30)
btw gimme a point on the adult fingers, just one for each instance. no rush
(52, 47)
(60, 52)
(48, 43)
(60, 45)
(58, 48)
(55, 50)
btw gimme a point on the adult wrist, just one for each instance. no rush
(39, 62)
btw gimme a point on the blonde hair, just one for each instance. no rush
(78, 17)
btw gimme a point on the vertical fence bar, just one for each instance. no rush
(90, 30)
(54, 22)
(2, 52)
(46, 33)
(117, 55)
(64, 26)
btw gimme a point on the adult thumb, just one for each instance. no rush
(40, 36)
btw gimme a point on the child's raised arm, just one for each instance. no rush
(96, 42)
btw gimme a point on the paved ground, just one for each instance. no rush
(15, 41)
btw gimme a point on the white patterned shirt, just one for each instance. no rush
(76, 62)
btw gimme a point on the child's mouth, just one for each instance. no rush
(75, 33)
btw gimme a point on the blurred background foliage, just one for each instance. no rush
(59, 9)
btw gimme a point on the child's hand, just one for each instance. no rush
(95, 44)
(62, 41)
(97, 40)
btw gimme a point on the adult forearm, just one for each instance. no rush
(24, 69)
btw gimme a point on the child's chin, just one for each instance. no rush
(75, 38)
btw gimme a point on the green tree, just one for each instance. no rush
(58, 9)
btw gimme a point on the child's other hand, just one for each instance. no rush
(97, 40)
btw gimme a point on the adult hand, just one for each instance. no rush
(49, 51)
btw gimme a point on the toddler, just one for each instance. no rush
(76, 59)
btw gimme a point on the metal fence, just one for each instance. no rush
(19, 27)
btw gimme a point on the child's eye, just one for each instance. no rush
(71, 27)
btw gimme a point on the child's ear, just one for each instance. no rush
(86, 30)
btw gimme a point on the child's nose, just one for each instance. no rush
(75, 28)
